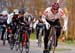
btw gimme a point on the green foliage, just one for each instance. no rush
(33, 36)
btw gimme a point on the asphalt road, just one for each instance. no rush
(35, 49)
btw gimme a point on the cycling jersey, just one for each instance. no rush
(29, 19)
(3, 19)
(48, 15)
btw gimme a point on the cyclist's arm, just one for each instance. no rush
(9, 20)
(34, 25)
(65, 18)
(45, 22)
(44, 16)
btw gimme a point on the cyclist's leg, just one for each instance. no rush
(3, 33)
(27, 36)
(58, 32)
(46, 38)
(13, 32)
(37, 33)
(29, 32)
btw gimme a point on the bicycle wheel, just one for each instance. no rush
(11, 41)
(50, 45)
(11, 44)
(21, 47)
(17, 45)
(4, 38)
(27, 47)
(16, 42)
(54, 43)
(40, 38)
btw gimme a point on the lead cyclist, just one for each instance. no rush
(51, 16)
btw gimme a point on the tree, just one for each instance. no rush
(71, 23)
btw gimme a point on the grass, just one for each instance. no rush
(68, 42)
(63, 49)
(33, 36)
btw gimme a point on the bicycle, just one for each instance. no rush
(52, 39)
(11, 41)
(14, 39)
(40, 27)
(17, 39)
(24, 42)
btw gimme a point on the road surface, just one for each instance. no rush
(62, 48)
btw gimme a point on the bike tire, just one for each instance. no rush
(40, 39)
(27, 47)
(21, 48)
(4, 38)
(54, 44)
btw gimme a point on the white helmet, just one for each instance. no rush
(16, 11)
(5, 12)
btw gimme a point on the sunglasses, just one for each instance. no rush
(55, 9)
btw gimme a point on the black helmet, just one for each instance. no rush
(21, 11)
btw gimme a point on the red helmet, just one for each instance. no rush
(55, 6)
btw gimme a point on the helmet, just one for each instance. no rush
(4, 12)
(21, 11)
(16, 11)
(55, 6)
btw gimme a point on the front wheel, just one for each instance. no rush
(50, 45)
(27, 47)
(40, 38)
(21, 47)
(54, 43)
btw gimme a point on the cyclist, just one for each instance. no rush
(50, 17)
(24, 29)
(39, 24)
(3, 22)
(12, 22)
(29, 21)
(15, 20)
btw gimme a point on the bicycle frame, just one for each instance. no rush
(52, 39)
(24, 43)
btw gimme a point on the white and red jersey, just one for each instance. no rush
(50, 15)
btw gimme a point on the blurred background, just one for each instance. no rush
(34, 6)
